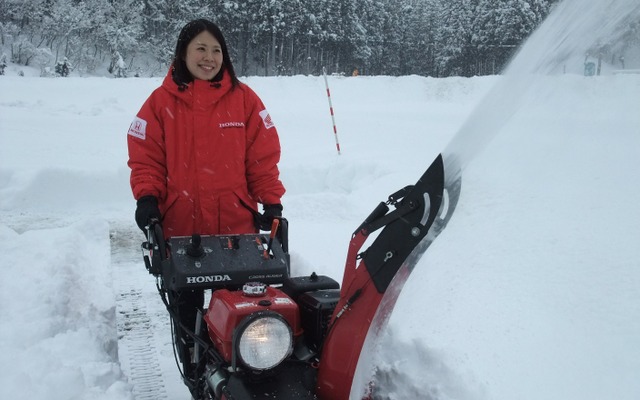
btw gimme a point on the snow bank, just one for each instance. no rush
(58, 337)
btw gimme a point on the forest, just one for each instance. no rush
(274, 37)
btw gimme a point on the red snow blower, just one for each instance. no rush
(267, 335)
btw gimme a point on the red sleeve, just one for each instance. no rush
(263, 153)
(147, 157)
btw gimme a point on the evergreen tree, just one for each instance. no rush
(416, 37)
(313, 33)
(374, 17)
(455, 53)
(236, 19)
(500, 26)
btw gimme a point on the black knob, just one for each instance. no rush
(195, 247)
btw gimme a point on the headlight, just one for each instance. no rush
(263, 340)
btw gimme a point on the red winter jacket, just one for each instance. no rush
(208, 153)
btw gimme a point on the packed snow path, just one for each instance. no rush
(144, 336)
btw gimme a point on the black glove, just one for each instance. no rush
(271, 211)
(146, 210)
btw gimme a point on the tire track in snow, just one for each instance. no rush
(136, 344)
(144, 338)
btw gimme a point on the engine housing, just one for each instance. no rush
(228, 308)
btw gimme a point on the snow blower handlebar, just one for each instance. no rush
(156, 246)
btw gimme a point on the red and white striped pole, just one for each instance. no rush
(333, 119)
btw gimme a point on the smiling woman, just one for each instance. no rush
(203, 153)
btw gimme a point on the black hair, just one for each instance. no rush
(181, 75)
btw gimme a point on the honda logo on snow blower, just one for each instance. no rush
(207, 278)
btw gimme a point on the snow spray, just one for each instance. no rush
(570, 32)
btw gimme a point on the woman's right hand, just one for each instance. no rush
(146, 210)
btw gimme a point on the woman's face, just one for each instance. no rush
(204, 56)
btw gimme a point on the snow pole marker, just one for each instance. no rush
(333, 119)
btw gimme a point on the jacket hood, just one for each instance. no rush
(198, 89)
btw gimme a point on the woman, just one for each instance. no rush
(203, 152)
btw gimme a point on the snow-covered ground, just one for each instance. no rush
(532, 291)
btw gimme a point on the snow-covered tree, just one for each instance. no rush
(428, 37)
(117, 68)
(455, 53)
(122, 28)
(500, 26)
(3, 63)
